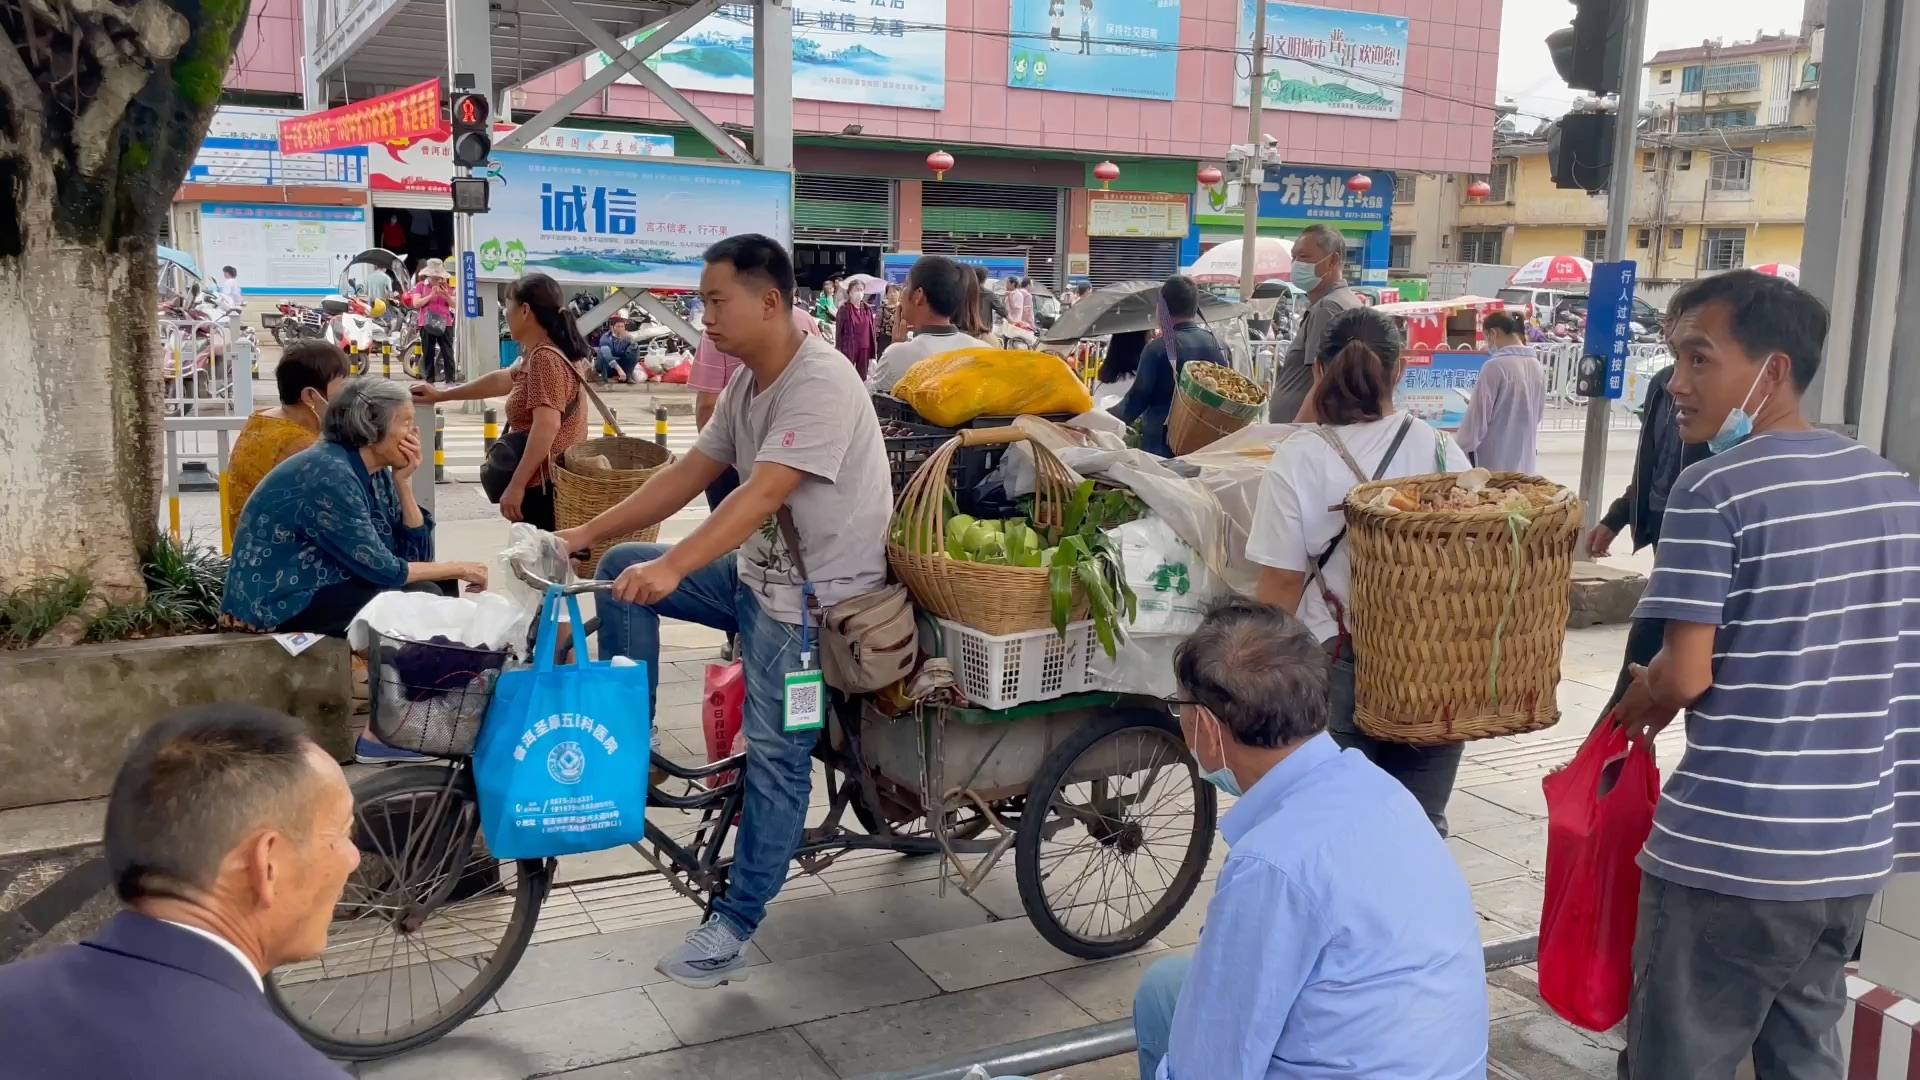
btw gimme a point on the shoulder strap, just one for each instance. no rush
(580, 381)
(1399, 437)
(791, 535)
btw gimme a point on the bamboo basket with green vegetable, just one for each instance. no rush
(1005, 577)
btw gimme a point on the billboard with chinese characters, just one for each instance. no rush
(283, 250)
(895, 265)
(1324, 60)
(243, 147)
(1112, 48)
(403, 114)
(1157, 214)
(1303, 193)
(872, 52)
(425, 166)
(1437, 385)
(590, 220)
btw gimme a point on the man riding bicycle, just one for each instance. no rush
(795, 421)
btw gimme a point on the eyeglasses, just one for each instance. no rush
(1175, 704)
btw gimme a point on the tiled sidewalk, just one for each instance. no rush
(867, 967)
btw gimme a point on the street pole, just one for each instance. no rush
(1255, 165)
(1593, 455)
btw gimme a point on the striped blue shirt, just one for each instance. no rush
(1801, 778)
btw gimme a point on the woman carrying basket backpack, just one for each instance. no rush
(1299, 541)
(546, 408)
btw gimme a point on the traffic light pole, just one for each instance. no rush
(1593, 455)
(470, 52)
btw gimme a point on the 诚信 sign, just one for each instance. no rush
(610, 221)
(1119, 48)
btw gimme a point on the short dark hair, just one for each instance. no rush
(192, 787)
(757, 256)
(1258, 670)
(980, 274)
(1181, 296)
(229, 271)
(1767, 315)
(942, 281)
(1359, 365)
(1506, 322)
(309, 364)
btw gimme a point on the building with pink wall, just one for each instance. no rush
(268, 60)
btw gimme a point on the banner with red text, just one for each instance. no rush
(404, 114)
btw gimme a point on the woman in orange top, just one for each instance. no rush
(546, 410)
(309, 373)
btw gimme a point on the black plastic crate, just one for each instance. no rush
(907, 452)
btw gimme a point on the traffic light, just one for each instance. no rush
(1580, 151)
(472, 129)
(1587, 53)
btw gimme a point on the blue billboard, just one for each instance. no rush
(1437, 386)
(894, 267)
(1110, 48)
(641, 222)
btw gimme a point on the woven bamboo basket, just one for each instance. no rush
(1199, 417)
(991, 599)
(1458, 616)
(581, 494)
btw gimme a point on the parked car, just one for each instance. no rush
(1648, 316)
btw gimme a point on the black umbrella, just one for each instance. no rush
(1125, 306)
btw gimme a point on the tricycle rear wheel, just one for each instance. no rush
(1115, 834)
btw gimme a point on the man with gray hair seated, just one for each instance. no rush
(229, 838)
(335, 525)
(1341, 940)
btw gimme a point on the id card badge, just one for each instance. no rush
(806, 700)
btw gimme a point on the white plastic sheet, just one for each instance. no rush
(537, 551)
(1172, 587)
(478, 621)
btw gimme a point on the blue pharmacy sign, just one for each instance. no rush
(894, 267)
(636, 222)
(469, 285)
(1603, 364)
(1111, 48)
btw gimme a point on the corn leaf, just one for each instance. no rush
(1060, 588)
(1077, 508)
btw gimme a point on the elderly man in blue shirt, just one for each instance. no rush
(1341, 940)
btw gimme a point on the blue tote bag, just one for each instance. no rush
(562, 763)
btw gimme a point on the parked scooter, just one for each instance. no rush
(297, 322)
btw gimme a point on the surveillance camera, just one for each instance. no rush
(1269, 141)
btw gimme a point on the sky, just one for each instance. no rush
(1527, 74)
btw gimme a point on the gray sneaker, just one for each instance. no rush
(713, 956)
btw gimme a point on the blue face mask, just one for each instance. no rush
(1739, 423)
(1304, 275)
(1221, 777)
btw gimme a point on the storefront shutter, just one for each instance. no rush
(995, 219)
(843, 210)
(1131, 258)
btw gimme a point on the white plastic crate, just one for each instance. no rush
(999, 671)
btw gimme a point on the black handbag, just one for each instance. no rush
(503, 457)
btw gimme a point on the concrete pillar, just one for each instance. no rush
(773, 84)
(909, 218)
(1077, 243)
(470, 53)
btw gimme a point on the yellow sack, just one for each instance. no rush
(953, 388)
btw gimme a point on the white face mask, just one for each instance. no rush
(856, 296)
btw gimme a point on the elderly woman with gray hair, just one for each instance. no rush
(335, 525)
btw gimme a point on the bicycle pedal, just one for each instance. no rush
(814, 864)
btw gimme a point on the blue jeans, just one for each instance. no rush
(609, 358)
(779, 768)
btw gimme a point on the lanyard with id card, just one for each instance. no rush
(804, 706)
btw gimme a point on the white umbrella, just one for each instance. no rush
(1220, 265)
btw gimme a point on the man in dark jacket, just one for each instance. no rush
(1656, 465)
(229, 838)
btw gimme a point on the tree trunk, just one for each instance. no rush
(102, 106)
(80, 431)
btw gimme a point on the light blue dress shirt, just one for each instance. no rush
(1341, 940)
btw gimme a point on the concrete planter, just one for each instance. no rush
(68, 715)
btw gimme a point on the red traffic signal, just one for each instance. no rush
(472, 135)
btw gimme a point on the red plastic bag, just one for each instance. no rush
(1599, 813)
(720, 716)
(678, 374)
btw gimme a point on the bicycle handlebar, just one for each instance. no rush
(518, 565)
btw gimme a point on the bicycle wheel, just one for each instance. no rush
(429, 927)
(1115, 834)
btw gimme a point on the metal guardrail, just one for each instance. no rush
(1065, 1049)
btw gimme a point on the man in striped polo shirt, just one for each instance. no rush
(1789, 573)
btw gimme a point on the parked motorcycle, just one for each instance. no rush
(297, 322)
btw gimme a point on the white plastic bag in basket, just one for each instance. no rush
(539, 552)
(478, 621)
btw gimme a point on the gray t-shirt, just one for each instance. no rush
(817, 418)
(1294, 377)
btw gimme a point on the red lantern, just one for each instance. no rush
(1106, 172)
(1209, 175)
(1359, 183)
(1479, 189)
(941, 163)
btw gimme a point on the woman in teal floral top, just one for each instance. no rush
(335, 525)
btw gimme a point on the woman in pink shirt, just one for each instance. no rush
(432, 298)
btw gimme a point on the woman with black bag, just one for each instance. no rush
(546, 405)
(1299, 529)
(432, 298)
